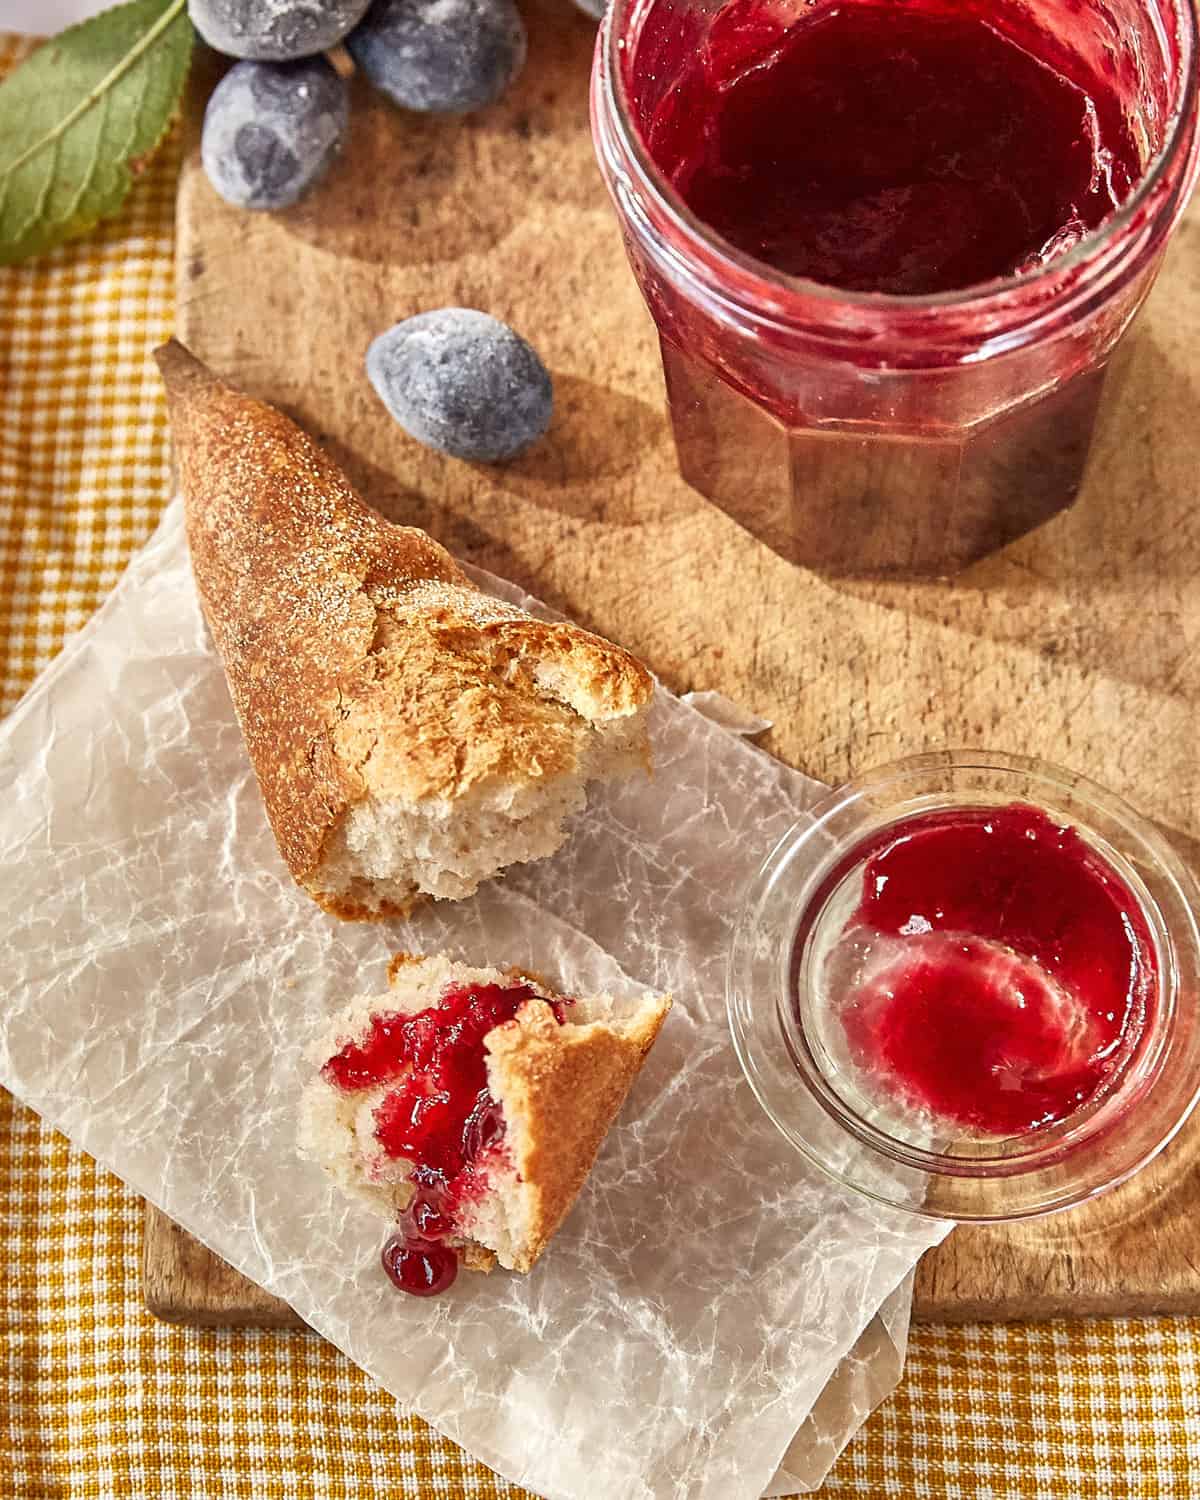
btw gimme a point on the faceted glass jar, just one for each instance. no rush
(782, 1014)
(863, 433)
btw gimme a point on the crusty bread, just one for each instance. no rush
(559, 1087)
(411, 734)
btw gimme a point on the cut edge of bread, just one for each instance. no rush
(559, 1087)
(387, 853)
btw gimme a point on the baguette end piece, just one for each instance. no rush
(411, 735)
(561, 1088)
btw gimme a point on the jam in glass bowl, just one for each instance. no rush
(966, 985)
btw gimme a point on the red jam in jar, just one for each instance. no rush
(440, 1116)
(890, 248)
(991, 969)
(884, 148)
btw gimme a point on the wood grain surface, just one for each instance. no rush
(1076, 644)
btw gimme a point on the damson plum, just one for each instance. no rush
(462, 382)
(440, 56)
(271, 130)
(274, 30)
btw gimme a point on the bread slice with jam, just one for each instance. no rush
(469, 1105)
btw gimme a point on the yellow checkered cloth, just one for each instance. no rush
(100, 1402)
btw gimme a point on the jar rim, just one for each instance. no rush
(1022, 1176)
(788, 295)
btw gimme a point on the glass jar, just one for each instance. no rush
(863, 433)
(779, 1006)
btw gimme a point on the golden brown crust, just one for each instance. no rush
(400, 961)
(477, 1257)
(350, 908)
(563, 1086)
(360, 658)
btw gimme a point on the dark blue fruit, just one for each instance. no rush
(441, 56)
(274, 30)
(271, 130)
(462, 382)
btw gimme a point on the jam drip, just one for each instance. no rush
(440, 1116)
(1002, 968)
(909, 149)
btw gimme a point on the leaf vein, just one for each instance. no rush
(110, 79)
(69, 172)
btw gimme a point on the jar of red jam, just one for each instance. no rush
(890, 247)
(967, 986)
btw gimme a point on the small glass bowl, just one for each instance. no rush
(940, 1173)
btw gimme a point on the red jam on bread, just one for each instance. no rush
(440, 1116)
(1008, 970)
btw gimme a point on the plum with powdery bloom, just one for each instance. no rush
(274, 30)
(271, 131)
(462, 382)
(440, 56)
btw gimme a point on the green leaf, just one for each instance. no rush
(78, 117)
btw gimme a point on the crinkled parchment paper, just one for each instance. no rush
(163, 977)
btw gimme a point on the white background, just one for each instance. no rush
(44, 17)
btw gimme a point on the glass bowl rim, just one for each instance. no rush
(1179, 980)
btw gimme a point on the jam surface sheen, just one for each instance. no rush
(440, 1116)
(908, 149)
(1013, 973)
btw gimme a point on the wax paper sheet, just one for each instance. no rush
(163, 977)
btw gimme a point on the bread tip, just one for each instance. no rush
(180, 369)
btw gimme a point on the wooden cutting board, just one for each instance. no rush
(1077, 644)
